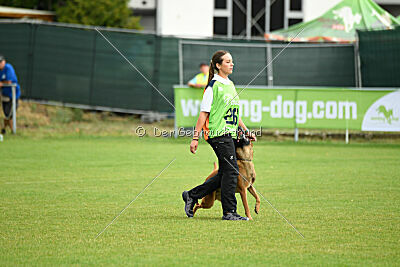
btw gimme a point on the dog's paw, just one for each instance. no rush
(257, 209)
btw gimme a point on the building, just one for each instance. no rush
(232, 18)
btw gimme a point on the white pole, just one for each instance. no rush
(175, 127)
(14, 108)
(158, 18)
(267, 15)
(248, 19)
(358, 61)
(286, 9)
(229, 6)
(347, 126)
(180, 60)
(270, 72)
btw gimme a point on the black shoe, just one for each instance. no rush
(189, 203)
(234, 217)
(3, 131)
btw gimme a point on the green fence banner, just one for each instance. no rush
(307, 108)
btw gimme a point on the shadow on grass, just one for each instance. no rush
(196, 218)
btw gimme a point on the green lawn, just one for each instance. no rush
(57, 194)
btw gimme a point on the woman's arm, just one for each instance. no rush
(199, 125)
(249, 134)
(241, 124)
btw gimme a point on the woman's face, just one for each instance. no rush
(226, 67)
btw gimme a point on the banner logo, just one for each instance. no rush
(387, 113)
(383, 115)
(346, 14)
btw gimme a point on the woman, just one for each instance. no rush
(218, 118)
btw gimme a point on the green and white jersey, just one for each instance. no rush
(221, 101)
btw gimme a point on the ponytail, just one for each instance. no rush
(210, 73)
(216, 58)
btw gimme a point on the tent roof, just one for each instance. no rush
(339, 24)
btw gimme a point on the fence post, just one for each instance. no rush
(14, 108)
(156, 71)
(94, 48)
(357, 61)
(296, 130)
(30, 60)
(347, 126)
(270, 73)
(180, 59)
(175, 127)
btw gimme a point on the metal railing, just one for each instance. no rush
(14, 105)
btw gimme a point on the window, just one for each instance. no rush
(220, 4)
(220, 26)
(294, 21)
(295, 5)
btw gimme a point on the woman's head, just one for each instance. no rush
(221, 63)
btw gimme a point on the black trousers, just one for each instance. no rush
(227, 175)
(7, 108)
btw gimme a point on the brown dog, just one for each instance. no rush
(244, 155)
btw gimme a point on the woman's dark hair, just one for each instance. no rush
(216, 58)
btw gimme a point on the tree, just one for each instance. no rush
(107, 13)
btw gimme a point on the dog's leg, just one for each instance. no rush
(243, 195)
(207, 201)
(255, 195)
(196, 207)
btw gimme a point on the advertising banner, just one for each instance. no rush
(307, 108)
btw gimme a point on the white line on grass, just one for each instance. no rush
(267, 200)
(133, 66)
(116, 217)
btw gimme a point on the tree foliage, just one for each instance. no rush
(107, 13)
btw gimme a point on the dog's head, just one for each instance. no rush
(244, 147)
(242, 139)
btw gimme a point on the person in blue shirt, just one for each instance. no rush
(7, 76)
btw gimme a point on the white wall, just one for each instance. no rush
(186, 18)
(315, 8)
(142, 4)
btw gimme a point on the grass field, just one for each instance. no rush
(57, 194)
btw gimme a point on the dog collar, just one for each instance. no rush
(244, 159)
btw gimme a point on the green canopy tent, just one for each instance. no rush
(339, 24)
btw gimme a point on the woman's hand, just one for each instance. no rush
(249, 134)
(196, 134)
(193, 146)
